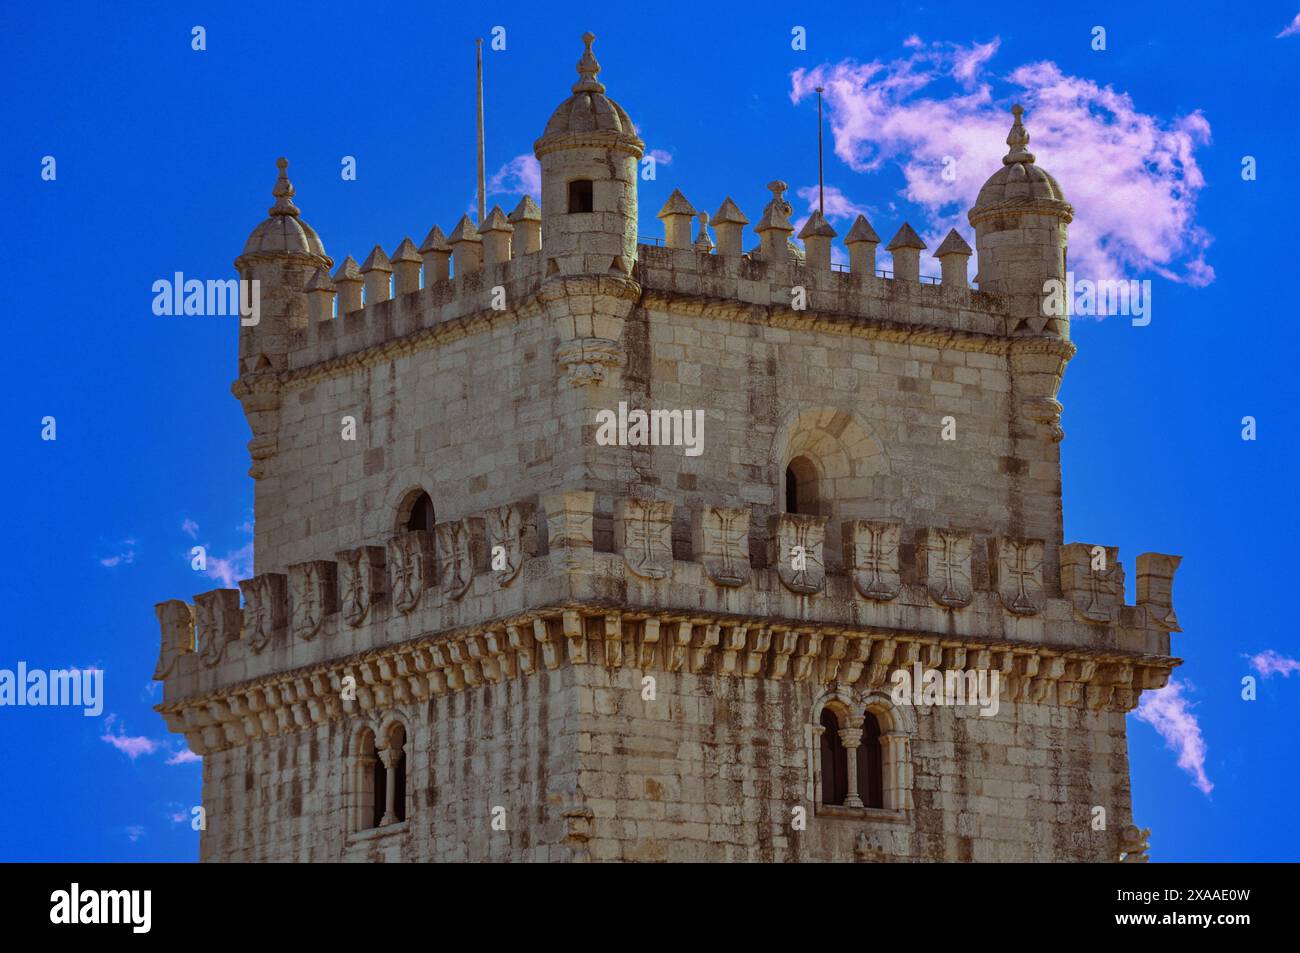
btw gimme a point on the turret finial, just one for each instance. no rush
(588, 68)
(283, 191)
(1017, 139)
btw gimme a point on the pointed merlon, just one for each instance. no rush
(320, 281)
(496, 221)
(588, 69)
(862, 232)
(676, 205)
(406, 252)
(376, 261)
(526, 211)
(283, 191)
(1017, 139)
(906, 238)
(464, 231)
(817, 227)
(435, 241)
(347, 271)
(953, 244)
(728, 213)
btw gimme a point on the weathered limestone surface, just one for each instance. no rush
(633, 652)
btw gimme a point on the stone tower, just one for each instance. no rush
(571, 546)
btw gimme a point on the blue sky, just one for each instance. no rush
(165, 163)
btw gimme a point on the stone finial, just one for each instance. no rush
(676, 216)
(906, 247)
(817, 235)
(953, 254)
(320, 297)
(283, 191)
(377, 271)
(588, 69)
(348, 280)
(496, 232)
(703, 243)
(774, 228)
(862, 241)
(466, 247)
(1017, 139)
(527, 220)
(436, 253)
(729, 222)
(406, 268)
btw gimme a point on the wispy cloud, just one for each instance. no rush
(522, 175)
(232, 567)
(134, 832)
(184, 756)
(1133, 178)
(661, 156)
(1169, 712)
(1269, 663)
(124, 557)
(1291, 29)
(130, 745)
(190, 528)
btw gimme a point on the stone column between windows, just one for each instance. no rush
(389, 756)
(851, 738)
(815, 766)
(896, 752)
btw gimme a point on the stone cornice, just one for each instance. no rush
(651, 640)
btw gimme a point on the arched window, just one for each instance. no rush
(801, 487)
(367, 783)
(581, 197)
(418, 512)
(871, 764)
(835, 767)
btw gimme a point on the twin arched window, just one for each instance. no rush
(379, 779)
(862, 763)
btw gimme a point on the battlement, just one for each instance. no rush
(502, 593)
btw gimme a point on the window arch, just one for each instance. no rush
(870, 763)
(416, 512)
(581, 196)
(834, 763)
(801, 487)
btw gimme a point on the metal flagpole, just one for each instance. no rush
(482, 182)
(821, 197)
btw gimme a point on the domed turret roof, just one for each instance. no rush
(1019, 178)
(589, 110)
(284, 231)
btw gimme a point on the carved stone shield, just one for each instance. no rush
(1093, 580)
(410, 567)
(795, 546)
(313, 590)
(217, 623)
(513, 530)
(461, 552)
(943, 560)
(871, 553)
(1016, 568)
(720, 537)
(643, 532)
(266, 604)
(176, 628)
(1155, 588)
(361, 582)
